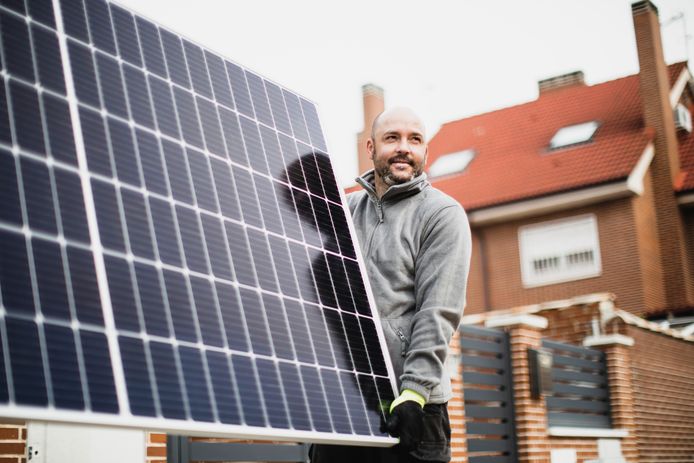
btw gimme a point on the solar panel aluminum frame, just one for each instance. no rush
(125, 418)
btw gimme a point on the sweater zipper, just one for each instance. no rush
(379, 211)
(403, 341)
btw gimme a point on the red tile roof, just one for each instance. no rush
(512, 159)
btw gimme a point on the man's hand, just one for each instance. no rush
(406, 419)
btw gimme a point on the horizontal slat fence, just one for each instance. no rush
(579, 396)
(488, 391)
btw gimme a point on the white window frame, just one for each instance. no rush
(558, 241)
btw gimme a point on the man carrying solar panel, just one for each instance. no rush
(416, 245)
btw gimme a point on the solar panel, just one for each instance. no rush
(174, 249)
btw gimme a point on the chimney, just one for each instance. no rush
(373, 106)
(563, 81)
(654, 89)
(655, 86)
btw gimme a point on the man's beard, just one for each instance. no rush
(389, 178)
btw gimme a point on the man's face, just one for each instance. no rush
(398, 147)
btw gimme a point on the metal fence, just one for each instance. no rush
(579, 396)
(488, 393)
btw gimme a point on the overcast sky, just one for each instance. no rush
(445, 59)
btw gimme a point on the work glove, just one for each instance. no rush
(406, 419)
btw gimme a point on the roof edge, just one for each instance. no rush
(559, 201)
(680, 84)
(607, 315)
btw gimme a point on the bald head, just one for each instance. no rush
(397, 113)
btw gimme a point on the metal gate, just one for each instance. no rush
(488, 392)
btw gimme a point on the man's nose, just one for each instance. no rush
(403, 146)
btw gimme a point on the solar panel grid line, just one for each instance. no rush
(259, 94)
(109, 318)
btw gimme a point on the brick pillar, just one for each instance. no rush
(13, 443)
(617, 350)
(532, 439)
(456, 406)
(156, 447)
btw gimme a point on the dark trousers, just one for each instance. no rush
(434, 447)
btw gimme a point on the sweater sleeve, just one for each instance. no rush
(441, 271)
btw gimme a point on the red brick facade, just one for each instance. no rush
(663, 380)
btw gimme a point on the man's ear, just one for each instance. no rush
(370, 147)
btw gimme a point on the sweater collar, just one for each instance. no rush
(397, 191)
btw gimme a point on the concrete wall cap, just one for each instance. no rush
(566, 431)
(608, 339)
(532, 321)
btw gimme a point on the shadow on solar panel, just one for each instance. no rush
(174, 249)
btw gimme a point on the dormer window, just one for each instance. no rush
(451, 163)
(573, 135)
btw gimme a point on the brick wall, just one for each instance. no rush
(619, 254)
(156, 447)
(13, 443)
(663, 380)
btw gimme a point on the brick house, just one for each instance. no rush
(588, 188)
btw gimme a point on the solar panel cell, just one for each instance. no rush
(198, 69)
(239, 88)
(99, 372)
(48, 59)
(59, 126)
(39, 198)
(197, 388)
(180, 307)
(111, 84)
(75, 19)
(85, 293)
(11, 211)
(223, 388)
(122, 294)
(5, 132)
(28, 125)
(126, 35)
(108, 216)
(151, 47)
(100, 25)
(17, 294)
(175, 59)
(259, 98)
(64, 367)
(154, 312)
(50, 279)
(167, 380)
(95, 145)
(42, 11)
(220, 82)
(16, 47)
(252, 407)
(137, 376)
(26, 362)
(82, 62)
(272, 394)
(138, 97)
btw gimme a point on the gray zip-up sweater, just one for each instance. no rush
(416, 243)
